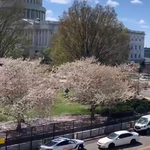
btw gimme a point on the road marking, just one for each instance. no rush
(144, 148)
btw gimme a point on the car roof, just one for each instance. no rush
(60, 139)
(121, 132)
(147, 116)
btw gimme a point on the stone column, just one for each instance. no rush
(45, 37)
(39, 38)
(48, 37)
(44, 15)
(40, 15)
(32, 35)
(26, 13)
(30, 14)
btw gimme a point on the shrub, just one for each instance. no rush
(125, 109)
(136, 103)
(122, 111)
(118, 111)
(104, 111)
(141, 109)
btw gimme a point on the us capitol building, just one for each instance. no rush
(41, 31)
(38, 29)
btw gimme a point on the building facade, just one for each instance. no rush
(38, 29)
(147, 52)
(137, 39)
(34, 9)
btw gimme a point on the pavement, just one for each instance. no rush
(143, 144)
(146, 93)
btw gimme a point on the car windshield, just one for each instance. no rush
(51, 143)
(142, 120)
(112, 136)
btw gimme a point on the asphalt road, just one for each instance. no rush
(144, 144)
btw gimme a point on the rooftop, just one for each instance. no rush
(60, 139)
(136, 32)
(121, 132)
(42, 22)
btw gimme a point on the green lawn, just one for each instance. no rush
(64, 106)
(3, 118)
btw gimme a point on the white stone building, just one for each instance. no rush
(40, 32)
(38, 29)
(137, 39)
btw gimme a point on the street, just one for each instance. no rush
(144, 144)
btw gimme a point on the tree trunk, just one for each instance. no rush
(92, 112)
(19, 128)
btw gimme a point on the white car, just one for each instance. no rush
(118, 138)
(143, 124)
(63, 144)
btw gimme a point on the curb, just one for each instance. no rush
(94, 138)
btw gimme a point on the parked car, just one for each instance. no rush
(62, 143)
(143, 124)
(145, 76)
(118, 138)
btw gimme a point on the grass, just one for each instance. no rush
(3, 118)
(64, 107)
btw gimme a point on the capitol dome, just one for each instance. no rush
(34, 9)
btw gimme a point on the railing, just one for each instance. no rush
(62, 128)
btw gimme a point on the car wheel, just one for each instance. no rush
(148, 131)
(112, 145)
(133, 141)
(81, 147)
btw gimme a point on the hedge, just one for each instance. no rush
(126, 109)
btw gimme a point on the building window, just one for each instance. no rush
(139, 55)
(131, 56)
(135, 39)
(139, 47)
(135, 47)
(139, 39)
(135, 55)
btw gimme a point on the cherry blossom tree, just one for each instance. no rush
(94, 84)
(25, 86)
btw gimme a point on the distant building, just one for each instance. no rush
(147, 52)
(136, 45)
(38, 29)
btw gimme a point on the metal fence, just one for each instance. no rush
(59, 129)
